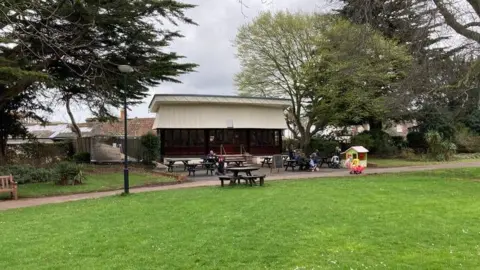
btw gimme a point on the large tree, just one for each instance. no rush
(273, 50)
(89, 39)
(356, 72)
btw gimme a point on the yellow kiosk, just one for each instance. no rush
(357, 152)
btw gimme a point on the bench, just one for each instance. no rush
(227, 178)
(251, 179)
(7, 185)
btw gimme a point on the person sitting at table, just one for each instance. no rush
(211, 157)
(220, 167)
(302, 161)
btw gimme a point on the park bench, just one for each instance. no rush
(251, 179)
(7, 185)
(226, 178)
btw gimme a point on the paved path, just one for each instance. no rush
(214, 182)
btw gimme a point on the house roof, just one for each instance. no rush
(359, 149)
(159, 99)
(135, 127)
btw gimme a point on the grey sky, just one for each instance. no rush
(210, 45)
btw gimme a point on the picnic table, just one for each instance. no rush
(249, 178)
(290, 163)
(172, 161)
(267, 160)
(209, 166)
(238, 162)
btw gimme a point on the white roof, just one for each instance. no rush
(171, 99)
(359, 149)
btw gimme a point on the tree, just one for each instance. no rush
(272, 50)
(17, 107)
(355, 72)
(89, 39)
(451, 14)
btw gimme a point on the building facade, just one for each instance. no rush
(193, 125)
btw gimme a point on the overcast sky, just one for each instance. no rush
(210, 45)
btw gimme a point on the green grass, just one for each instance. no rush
(424, 220)
(391, 162)
(93, 182)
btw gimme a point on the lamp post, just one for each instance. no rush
(125, 69)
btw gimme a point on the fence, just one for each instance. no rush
(110, 149)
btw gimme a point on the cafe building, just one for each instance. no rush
(192, 125)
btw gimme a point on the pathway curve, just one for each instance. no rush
(214, 181)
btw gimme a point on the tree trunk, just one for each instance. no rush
(305, 143)
(375, 125)
(75, 127)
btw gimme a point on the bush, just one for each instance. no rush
(323, 146)
(377, 142)
(399, 142)
(416, 141)
(82, 157)
(25, 174)
(68, 173)
(439, 149)
(152, 148)
(467, 141)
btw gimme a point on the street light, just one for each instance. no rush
(125, 69)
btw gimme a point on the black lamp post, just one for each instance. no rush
(125, 69)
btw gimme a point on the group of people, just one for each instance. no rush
(312, 163)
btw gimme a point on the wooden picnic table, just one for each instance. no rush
(249, 178)
(238, 162)
(171, 163)
(209, 166)
(247, 170)
(290, 163)
(267, 160)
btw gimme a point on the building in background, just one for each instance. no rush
(192, 125)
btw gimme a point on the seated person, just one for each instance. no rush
(220, 167)
(211, 156)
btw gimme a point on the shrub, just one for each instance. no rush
(68, 173)
(439, 149)
(82, 157)
(25, 174)
(399, 142)
(467, 141)
(416, 141)
(324, 146)
(152, 147)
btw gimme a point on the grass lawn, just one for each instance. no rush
(427, 220)
(391, 162)
(93, 182)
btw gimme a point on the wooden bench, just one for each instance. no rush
(8, 185)
(227, 178)
(251, 179)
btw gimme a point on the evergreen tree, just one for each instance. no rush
(80, 44)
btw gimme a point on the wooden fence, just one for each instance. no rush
(109, 149)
